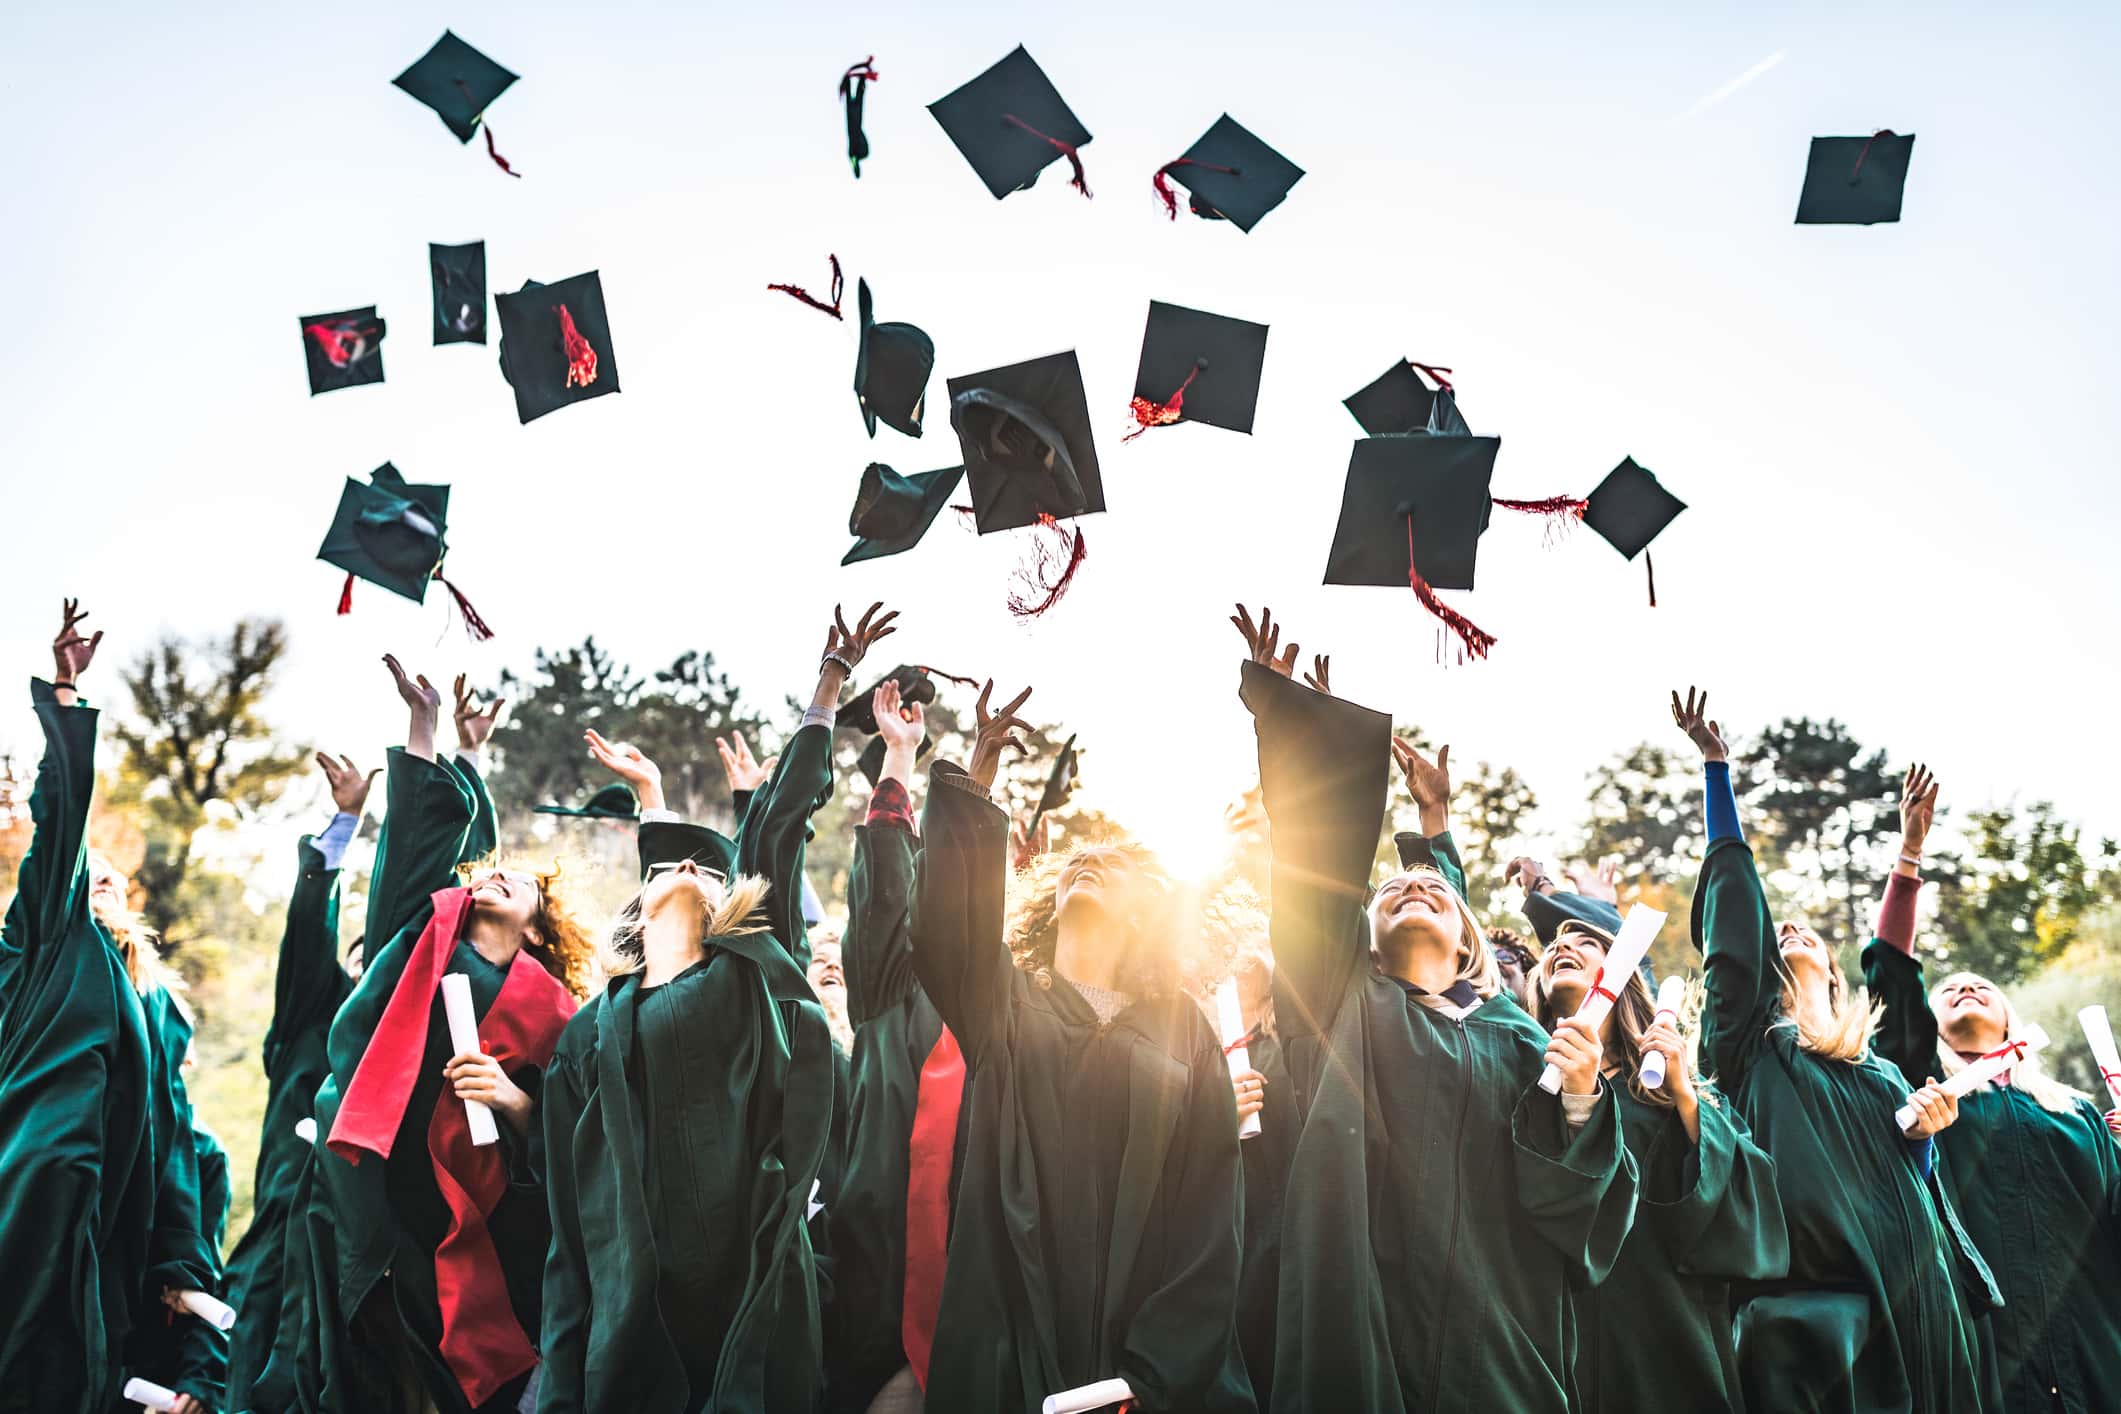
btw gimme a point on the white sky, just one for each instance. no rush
(1897, 440)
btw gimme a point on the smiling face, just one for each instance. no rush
(825, 971)
(505, 896)
(1971, 1013)
(1567, 970)
(1804, 954)
(1415, 905)
(1101, 880)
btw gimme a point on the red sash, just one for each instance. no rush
(929, 1151)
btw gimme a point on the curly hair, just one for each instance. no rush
(1151, 969)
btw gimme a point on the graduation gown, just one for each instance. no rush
(308, 987)
(2040, 1195)
(1873, 1315)
(1267, 1156)
(1097, 1225)
(1439, 1208)
(78, 1168)
(686, 1124)
(1656, 1333)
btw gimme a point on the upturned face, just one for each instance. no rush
(825, 971)
(1804, 953)
(507, 896)
(1569, 967)
(1099, 879)
(1970, 1011)
(107, 888)
(1418, 902)
(684, 884)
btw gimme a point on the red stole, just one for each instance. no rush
(482, 1342)
(929, 1152)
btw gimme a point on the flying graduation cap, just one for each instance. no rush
(891, 369)
(854, 87)
(556, 344)
(1058, 785)
(1399, 401)
(459, 274)
(1197, 367)
(342, 350)
(394, 533)
(1630, 508)
(459, 83)
(915, 685)
(1010, 123)
(892, 512)
(1855, 181)
(1411, 516)
(1230, 176)
(613, 802)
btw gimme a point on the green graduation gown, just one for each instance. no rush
(2040, 1195)
(1267, 1156)
(78, 1170)
(200, 1366)
(1438, 1207)
(1873, 1314)
(1097, 1226)
(686, 1124)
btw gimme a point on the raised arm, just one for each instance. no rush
(1429, 783)
(1731, 923)
(308, 983)
(475, 724)
(1907, 1034)
(877, 951)
(52, 883)
(429, 816)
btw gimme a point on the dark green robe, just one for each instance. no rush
(1267, 1156)
(1097, 1225)
(1438, 1208)
(1873, 1314)
(201, 1366)
(1656, 1333)
(308, 987)
(78, 1168)
(686, 1124)
(2040, 1195)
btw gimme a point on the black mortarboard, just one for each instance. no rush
(1399, 401)
(1062, 779)
(1855, 181)
(891, 369)
(459, 273)
(914, 685)
(871, 762)
(892, 512)
(457, 81)
(1440, 482)
(389, 532)
(1231, 174)
(556, 344)
(1010, 122)
(854, 87)
(1630, 509)
(613, 802)
(343, 350)
(1197, 367)
(1025, 434)
(672, 841)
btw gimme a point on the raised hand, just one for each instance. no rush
(425, 703)
(71, 653)
(1918, 808)
(900, 724)
(1319, 679)
(1023, 848)
(1429, 782)
(1264, 641)
(630, 765)
(1693, 719)
(349, 783)
(846, 645)
(1529, 874)
(744, 772)
(994, 734)
(475, 724)
(1600, 883)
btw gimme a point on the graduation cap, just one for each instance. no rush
(1058, 784)
(1231, 174)
(1855, 181)
(1212, 362)
(854, 86)
(871, 762)
(892, 512)
(613, 802)
(1399, 401)
(915, 685)
(393, 533)
(1630, 509)
(1412, 514)
(342, 350)
(891, 370)
(459, 273)
(1010, 122)
(459, 83)
(674, 841)
(556, 344)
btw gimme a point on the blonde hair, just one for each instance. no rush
(139, 946)
(1852, 1019)
(739, 909)
(1150, 969)
(1632, 1015)
(2046, 1091)
(1476, 965)
(563, 946)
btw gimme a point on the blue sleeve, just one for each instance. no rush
(1925, 1154)
(335, 840)
(1722, 803)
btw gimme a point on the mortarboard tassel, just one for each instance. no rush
(947, 677)
(853, 84)
(1162, 182)
(1476, 640)
(839, 285)
(1078, 181)
(1561, 512)
(1039, 574)
(1865, 151)
(1435, 373)
(344, 343)
(473, 624)
(581, 358)
(1651, 571)
(480, 118)
(1163, 414)
(346, 595)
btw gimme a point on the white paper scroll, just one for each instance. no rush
(218, 1314)
(1980, 1072)
(1670, 993)
(2101, 1038)
(815, 1207)
(464, 1040)
(149, 1394)
(1087, 1397)
(1230, 1014)
(306, 1130)
(1637, 931)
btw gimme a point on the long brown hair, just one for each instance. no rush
(1632, 1015)
(1032, 932)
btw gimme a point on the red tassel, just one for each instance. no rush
(1039, 574)
(865, 71)
(1162, 182)
(473, 624)
(1074, 158)
(581, 358)
(498, 160)
(346, 595)
(342, 343)
(1433, 372)
(947, 677)
(1651, 571)
(1865, 151)
(1163, 414)
(1476, 641)
(1561, 512)
(839, 286)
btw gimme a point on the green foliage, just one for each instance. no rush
(2016, 899)
(1822, 811)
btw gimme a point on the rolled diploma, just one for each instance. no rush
(306, 1130)
(1087, 1397)
(1637, 931)
(1982, 1071)
(218, 1314)
(464, 1040)
(2101, 1037)
(1670, 993)
(147, 1392)
(1230, 1014)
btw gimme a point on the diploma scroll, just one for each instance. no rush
(1637, 931)
(1080, 1401)
(306, 1130)
(464, 1040)
(1670, 993)
(1230, 1014)
(218, 1314)
(1979, 1073)
(2100, 1035)
(149, 1394)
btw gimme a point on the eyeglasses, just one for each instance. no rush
(709, 870)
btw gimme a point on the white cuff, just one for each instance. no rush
(1576, 1109)
(659, 816)
(471, 756)
(824, 717)
(333, 840)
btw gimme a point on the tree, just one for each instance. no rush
(196, 737)
(1820, 807)
(2016, 900)
(1488, 816)
(1645, 807)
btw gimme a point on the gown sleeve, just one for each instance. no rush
(426, 825)
(1578, 1190)
(1438, 852)
(202, 1351)
(959, 898)
(51, 887)
(483, 836)
(1907, 1035)
(776, 828)
(308, 982)
(564, 1345)
(877, 951)
(1736, 936)
(1715, 1201)
(1323, 768)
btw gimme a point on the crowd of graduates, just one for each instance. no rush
(984, 1153)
